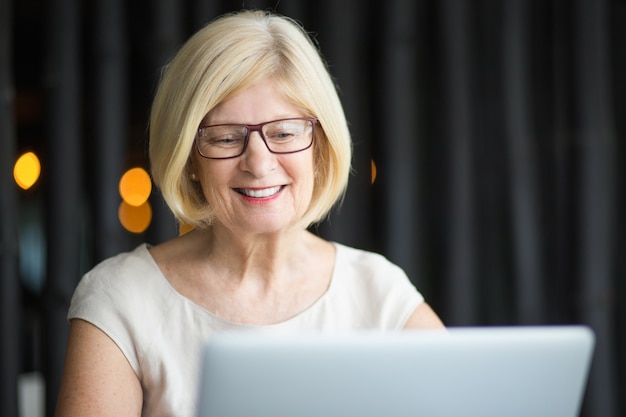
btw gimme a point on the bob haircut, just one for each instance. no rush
(225, 57)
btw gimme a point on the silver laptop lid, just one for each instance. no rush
(470, 372)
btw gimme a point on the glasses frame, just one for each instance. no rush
(257, 128)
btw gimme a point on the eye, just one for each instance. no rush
(221, 136)
(283, 131)
(224, 141)
(281, 135)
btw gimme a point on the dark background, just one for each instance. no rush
(497, 128)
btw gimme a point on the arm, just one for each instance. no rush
(424, 317)
(97, 379)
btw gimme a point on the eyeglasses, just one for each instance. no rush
(282, 136)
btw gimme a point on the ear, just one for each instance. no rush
(191, 171)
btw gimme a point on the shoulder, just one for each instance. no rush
(378, 291)
(138, 259)
(366, 264)
(118, 279)
(125, 298)
(370, 274)
(124, 272)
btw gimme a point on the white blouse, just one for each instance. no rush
(161, 332)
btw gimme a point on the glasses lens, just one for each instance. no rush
(291, 135)
(221, 141)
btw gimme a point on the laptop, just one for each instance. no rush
(469, 372)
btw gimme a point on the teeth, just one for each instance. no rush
(266, 192)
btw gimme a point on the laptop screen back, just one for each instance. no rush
(470, 372)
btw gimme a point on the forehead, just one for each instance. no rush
(258, 103)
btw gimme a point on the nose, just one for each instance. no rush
(257, 158)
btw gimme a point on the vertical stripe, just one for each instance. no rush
(461, 297)
(64, 202)
(398, 136)
(10, 308)
(108, 130)
(523, 164)
(597, 199)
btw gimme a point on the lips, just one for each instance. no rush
(259, 192)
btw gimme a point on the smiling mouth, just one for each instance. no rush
(259, 193)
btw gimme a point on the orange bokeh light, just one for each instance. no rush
(135, 186)
(373, 167)
(184, 228)
(135, 219)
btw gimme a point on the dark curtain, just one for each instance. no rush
(9, 282)
(496, 129)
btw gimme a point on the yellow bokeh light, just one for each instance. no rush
(373, 171)
(135, 186)
(26, 170)
(135, 219)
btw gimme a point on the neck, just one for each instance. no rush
(261, 257)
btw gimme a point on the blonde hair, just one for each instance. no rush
(225, 57)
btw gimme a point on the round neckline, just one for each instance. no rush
(319, 301)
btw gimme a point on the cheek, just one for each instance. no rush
(212, 182)
(210, 193)
(308, 177)
(213, 189)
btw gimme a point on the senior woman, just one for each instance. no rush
(249, 144)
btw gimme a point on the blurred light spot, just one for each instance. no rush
(26, 170)
(373, 171)
(184, 228)
(135, 219)
(135, 186)
(32, 245)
